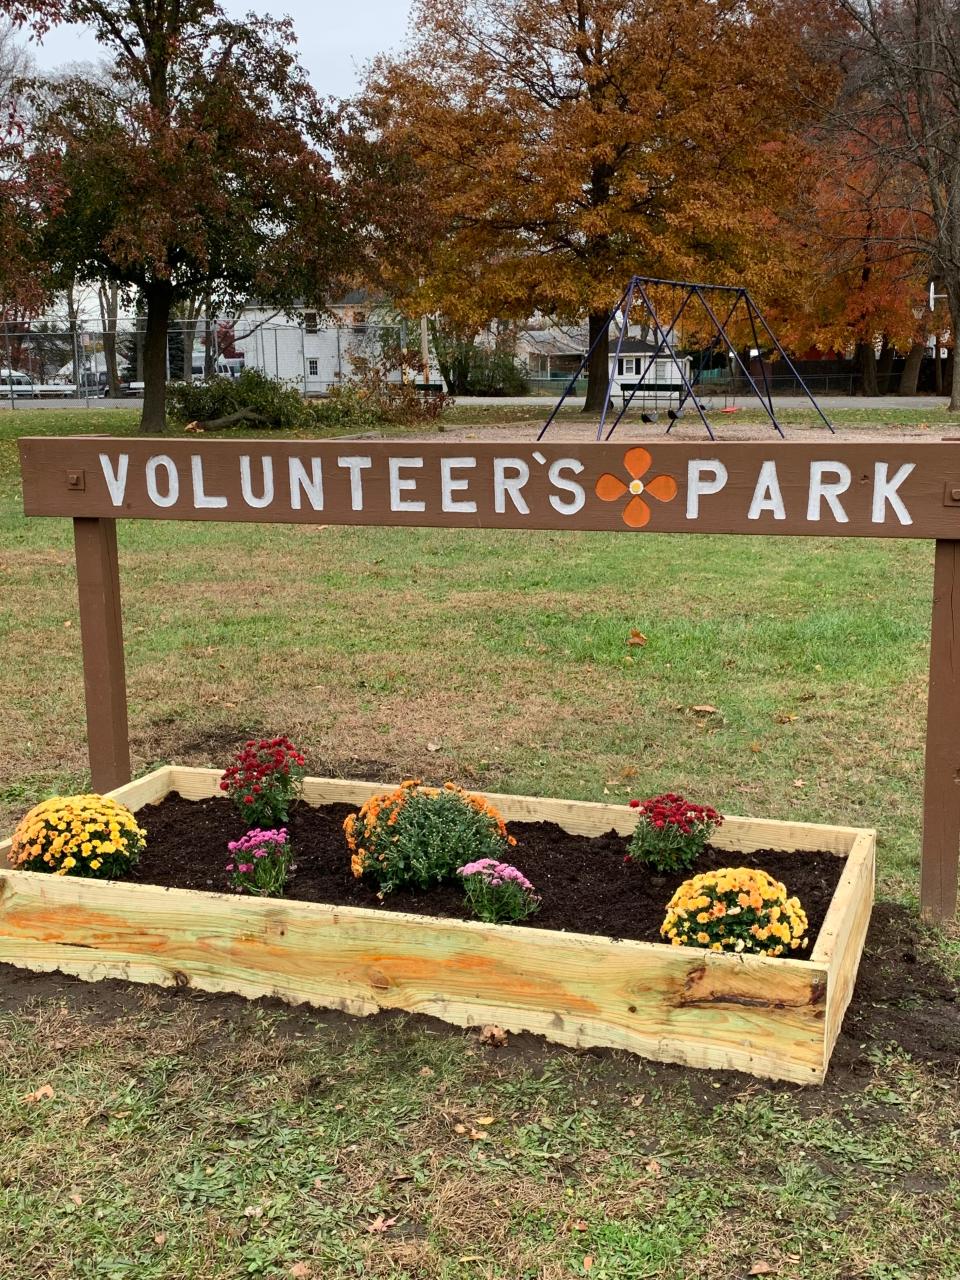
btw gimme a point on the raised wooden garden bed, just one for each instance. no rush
(778, 1018)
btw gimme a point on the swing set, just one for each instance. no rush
(637, 301)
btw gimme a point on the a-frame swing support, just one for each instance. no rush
(638, 294)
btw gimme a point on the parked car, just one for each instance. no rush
(17, 382)
(126, 388)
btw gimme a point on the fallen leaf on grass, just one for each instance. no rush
(576, 1224)
(588, 1263)
(760, 1269)
(755, 748)
(426, 1071)
(160, 1238)
(493, 1035)
(300, 1270)
(485, 1120)
(785, 717)
(654, 1167)
(253, 1211)
(637, 638)
(75, 1199)
(381, 1224)
(434, 746)
(705, 709)
(43, 1094)
(799, 782)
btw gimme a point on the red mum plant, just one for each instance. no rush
(263, 779)
(671, 832)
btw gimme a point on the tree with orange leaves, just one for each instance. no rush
(858, 236)
(549, 149)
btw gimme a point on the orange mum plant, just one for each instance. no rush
(87, 835)
(735, 909)
(419, 835)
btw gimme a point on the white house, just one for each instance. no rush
(312, 348)
(657, 379)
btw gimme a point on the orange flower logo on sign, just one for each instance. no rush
(611, 488)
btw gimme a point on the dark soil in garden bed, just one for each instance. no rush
(585, 884)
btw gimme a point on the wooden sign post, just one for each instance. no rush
(899, 489)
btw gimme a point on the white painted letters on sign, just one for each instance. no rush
(767, 495)
(699, 486)
(265, 497)
(116, 480)
(758, 490)
(450, 485)
(885, 491)
(202, 499)
(301, 484)
(162, 462)
(512, 485)
(404, 484)
(567, 506)
(356, 466)
(822, 488)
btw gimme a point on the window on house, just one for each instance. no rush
(313, 368)
(311, 321)
(629, 366)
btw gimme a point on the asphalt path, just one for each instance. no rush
(545, 402)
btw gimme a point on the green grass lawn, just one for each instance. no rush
(211, 1139)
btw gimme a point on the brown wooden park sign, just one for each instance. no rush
(898, 489)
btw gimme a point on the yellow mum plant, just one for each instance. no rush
(419, 835)
(735, 909)
(78, 836)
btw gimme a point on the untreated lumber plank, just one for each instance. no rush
(842, 938)
(672, 1004)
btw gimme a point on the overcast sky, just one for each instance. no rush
(336, 37)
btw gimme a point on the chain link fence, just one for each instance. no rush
(83, 365)
(78, 364)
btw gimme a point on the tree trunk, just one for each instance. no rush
(108, 295)
(72, 324)
(911, 370)
(867, 368)
(598, 368)
(885, 366)
(231, 420)
(159, 296)
(209, 354)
